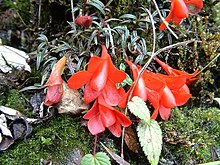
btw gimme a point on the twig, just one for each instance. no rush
(164, 21)
(207, 65)
(39, 14)
(73, 17)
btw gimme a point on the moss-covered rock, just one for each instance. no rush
(190, 134)
(52, 140)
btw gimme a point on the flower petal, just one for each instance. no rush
(95, 125)
(55, 76)
(115, 129)
(164, 112)
(111, 94)
(54, 94)
(79, 79)
(107, 116)
(94, 63)
(99, 78)
(180, 9)
(92, 112)
(90, 94)
(122, 119)
(167, 98)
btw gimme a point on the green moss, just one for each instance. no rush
(190, 134)
(52, 140)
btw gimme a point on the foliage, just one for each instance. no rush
(100, 158)
(149, 131)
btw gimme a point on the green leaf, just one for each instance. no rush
(138, 107)
(99, 159)
(97, 4)
(128, 16)
(150, 137)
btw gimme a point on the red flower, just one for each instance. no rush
(55, 83)
(100, 79)
(146, 88)
(180, 9)
(84, 21)
(175, 93)
(102, 116)
(174, 72)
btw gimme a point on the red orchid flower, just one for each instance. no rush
(100, 79)
(84, 21)
(102, 116)
(55, 83)
(180, 9)
(174, 72)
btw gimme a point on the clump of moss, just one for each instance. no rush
(190, 134)
(52, 140)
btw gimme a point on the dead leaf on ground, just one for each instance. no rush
(131, 139)
(71, 102)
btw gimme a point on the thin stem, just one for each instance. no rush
(95, 142)
(73, 17)
(207, 65)
(164, 21)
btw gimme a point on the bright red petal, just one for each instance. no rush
(164, 112)
(94, 63)
(181, 98)
(92, 112)
(167, 98)
(55, 76)
(107, 116)
(99, 78)
(79, 79)
(175, 82)
(122, 119)
(84, 21)
(111, 94)
(123, 101)
(114, 74)
(140, 90)
(90, 94)
(152, 81)
(95, 125)
(180, 9)
(54, 94)
(115, 129)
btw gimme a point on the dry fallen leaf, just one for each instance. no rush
(71, 102)
(131, 139)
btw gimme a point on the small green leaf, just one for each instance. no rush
(150, 137)
(99, 159)
(138, 107)
(128, 16)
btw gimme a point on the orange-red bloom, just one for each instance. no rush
(100, 79)
(102, 116)
(163, 91)
(84, 21)
(55, 83)
(180, 9)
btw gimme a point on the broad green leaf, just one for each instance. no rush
(99, 159)
(138, 107)
(150, 136)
